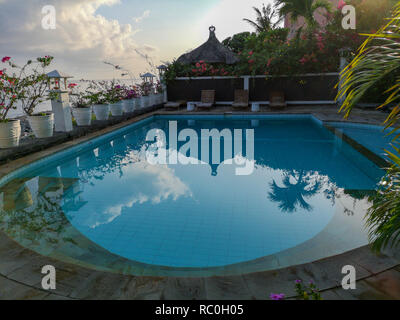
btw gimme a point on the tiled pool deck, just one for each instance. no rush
(20, 269)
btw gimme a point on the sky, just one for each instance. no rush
(89, 32)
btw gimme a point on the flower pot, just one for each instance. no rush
(152, 100)
(102, 111)
(129, 106)
(117, 109)
(83, 116)
(42, 126)
(10, 133)
(144, 102)
(160, 98)
(137, 103)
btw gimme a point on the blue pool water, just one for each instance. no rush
(103, 204)
(372, 137)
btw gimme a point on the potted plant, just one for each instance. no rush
(160, 93)
(145, 89)
(10, 129)
(32, 84)
(115, 94)
(99, 99)
(129, 101)
(81, 108)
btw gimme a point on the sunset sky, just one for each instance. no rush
(91, 31)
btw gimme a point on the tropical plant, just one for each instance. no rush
(267, 19)
(302, 8)
(379, 58)
(237, 42)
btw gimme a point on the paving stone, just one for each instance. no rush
(142, 288)
(388, 283)
(333, 268)
(370, 261)
(11, 290)
(100, 286)
(185, 289)
(364, 291)
(227, 288)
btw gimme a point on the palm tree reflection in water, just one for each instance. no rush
(297, 188)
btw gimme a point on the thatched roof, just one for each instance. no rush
(211, 52)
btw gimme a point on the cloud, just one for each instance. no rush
(145, 15)
(82, 39)
(153, 184)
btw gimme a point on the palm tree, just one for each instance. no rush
(302, 8)
(267, 19)
(377, 60)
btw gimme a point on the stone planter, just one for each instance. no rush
(42, 125)
(102, 111)
(129, 106)
(10, 133)
(83, 116)
(117, 109)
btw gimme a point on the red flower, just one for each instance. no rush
(5, 59)
(251, 53)
(72, 85)
(251, 61)
(341, 4)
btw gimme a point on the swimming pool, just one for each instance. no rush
(374, 138)
(103, 205)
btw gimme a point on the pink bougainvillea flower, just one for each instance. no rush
(5, 59)
(251, 61)
(251, 53)
(277, 297)
(341, 4)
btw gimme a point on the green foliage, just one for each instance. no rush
(377, 63)
(237, 42)
(371, 14)
(307, 292)
(267, 19)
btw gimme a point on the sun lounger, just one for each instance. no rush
(277, 100)
(174, 105)
(241, 99)
(207, 99)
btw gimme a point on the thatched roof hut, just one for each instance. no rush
(211, 52)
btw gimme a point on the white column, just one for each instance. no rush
(62, 112)
(343, 64)
(246, 85)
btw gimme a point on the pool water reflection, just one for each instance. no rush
(105, 206)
